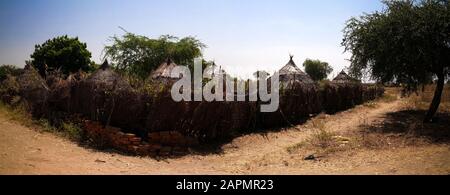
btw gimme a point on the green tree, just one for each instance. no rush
(316, 69)
(139, 55)
(63, 52)
(405, 43)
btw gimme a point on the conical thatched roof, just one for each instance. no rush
(33, 89)
(290, 72)
(105, 65)
(164, 70)
(106, 77)
(343, 77)
(30, 78)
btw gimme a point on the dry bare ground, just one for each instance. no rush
(376, 138)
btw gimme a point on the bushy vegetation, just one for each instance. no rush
(407, 43)
(138, 55)
(317, 69)
(20, 114)
(63, 52)
(6, 70)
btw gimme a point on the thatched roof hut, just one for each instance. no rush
(106, 77)
(290, 73)
(164, 70)
(343, 77)
(34, 90)
(93, 90)
(300, 97)
(107, 97)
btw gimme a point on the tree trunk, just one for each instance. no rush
(436, 99)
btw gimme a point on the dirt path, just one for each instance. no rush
(26, 151)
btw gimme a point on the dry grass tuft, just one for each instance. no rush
(322, 141)
(20, 115)
(398, 129)
(422, 99)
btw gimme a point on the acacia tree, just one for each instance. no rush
(139, 55)
(63, 52)
(317, 69)
(408, 42)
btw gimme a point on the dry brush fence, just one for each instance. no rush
(106, 97)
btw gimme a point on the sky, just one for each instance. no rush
(242, 35)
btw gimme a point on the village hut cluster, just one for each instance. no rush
(108, 98)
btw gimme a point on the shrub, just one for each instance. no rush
(63, 52)
(6, 70)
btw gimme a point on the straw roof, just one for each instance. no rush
(343, 77)
(106, 77)
(30, 78)
(164, 70)
(291, 73)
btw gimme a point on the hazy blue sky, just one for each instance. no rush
(242, 35)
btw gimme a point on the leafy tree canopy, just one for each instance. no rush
(317, 69)
(63, 52)
(408, 42)
(139, 55)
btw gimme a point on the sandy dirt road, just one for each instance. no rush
(27, 151)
